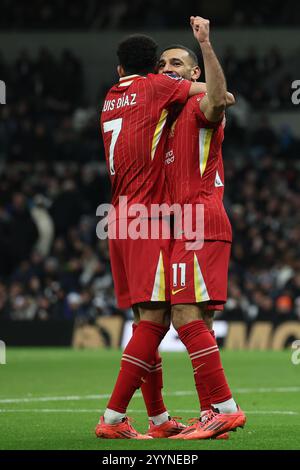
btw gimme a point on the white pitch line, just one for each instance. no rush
(268, 390)
(138, 395)
(81, 397)
(48, 410)
(61, 398)
(195, 412)
(253, 412)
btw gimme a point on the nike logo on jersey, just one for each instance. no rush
(218, 181)
(174, 292)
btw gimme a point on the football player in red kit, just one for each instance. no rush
(198, 283)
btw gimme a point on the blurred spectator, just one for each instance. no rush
(57, 267)
(284, 306)
(53, 177)
(46, 14)
(44, 224)
(66, 208)
(23, 230)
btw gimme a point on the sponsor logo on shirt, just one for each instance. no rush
(218, 181)
(170, 157)
(174, 292)
(173, 75)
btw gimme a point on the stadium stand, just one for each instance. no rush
(53, 178)
(90, 14)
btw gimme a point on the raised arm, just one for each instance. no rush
(214, 103)
(197, 88)
(230, 99)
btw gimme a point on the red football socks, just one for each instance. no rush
(203, 392)
(152, 388)
(205, 356)
(138, 360)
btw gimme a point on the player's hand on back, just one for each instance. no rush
(200, 27)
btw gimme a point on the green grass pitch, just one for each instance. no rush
(51, 399)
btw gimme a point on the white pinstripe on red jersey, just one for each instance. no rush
(194, 167)
(140, 104)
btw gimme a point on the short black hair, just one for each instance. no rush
(138, 54)
(189, 51)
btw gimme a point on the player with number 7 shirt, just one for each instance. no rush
(133, 124)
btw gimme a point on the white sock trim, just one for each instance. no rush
(228, 406)
(112, 416)
(160, 419)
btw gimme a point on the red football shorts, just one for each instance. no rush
(200, 275)
(140, 269)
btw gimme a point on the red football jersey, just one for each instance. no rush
(194, 167)
(133, 122)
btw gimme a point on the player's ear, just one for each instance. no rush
(196, 72)
(121, 71)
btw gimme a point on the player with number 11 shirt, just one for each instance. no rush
(195, 176)
(199, 270)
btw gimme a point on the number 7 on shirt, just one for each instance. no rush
(115, 126)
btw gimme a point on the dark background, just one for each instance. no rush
(57, 59)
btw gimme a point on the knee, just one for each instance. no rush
(136, 314)
(208, 317)
(181, 315)
(156, 317)
(167, 319)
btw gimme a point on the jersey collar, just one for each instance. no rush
(125, 81)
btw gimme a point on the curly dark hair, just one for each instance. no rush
(137, 54)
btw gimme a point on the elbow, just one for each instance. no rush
(230, 99)
(219, 105)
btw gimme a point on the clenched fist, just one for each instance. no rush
(200, 28)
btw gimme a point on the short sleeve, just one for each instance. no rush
(201, 116)
(170, 88)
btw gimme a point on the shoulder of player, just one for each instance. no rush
(198, 98)
(195, 102)
(126, 81)
(167, 78)
(111, 92)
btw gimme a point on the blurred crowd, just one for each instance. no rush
(48, 83)
(263, 202)
(52, 87)
(112, 14)
(264, 80)
(53, 177)
(52, 263)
